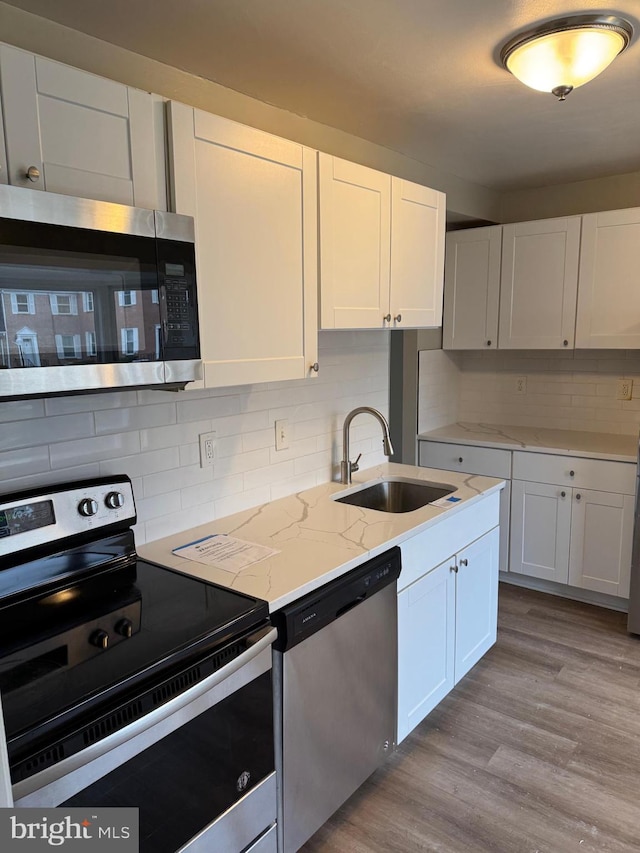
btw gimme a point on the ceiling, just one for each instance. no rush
(417, 76)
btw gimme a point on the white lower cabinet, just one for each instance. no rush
(483, 461)
(570, 530)
(447, 613)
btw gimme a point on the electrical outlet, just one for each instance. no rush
(207, 449)
(625, 389)
(282, 434)
(521, 385)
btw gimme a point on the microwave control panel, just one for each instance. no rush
(179, 301)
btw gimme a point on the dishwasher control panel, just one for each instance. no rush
(309, 614)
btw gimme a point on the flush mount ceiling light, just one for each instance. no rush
(560, 55)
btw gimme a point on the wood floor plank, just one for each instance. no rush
(537, 750)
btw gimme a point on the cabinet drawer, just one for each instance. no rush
(484, 461)
(598, 474)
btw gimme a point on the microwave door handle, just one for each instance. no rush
(164, 314)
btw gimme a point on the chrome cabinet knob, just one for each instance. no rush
(464, 562)
(386, 318)
(578, 496)
(563, 494)
(114, 500)
(88, 507)
(315, 367)
(572, 473)
(398, 318)
(453, 568)
(33, 174)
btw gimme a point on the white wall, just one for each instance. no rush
(153, 437)
(564, 390)
(438, 389)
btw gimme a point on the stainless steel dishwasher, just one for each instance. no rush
(335, 681)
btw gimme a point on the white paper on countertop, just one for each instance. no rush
(224, 552)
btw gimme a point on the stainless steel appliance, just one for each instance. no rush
(335, 678)
(94, 295)
(633, 622)
(126, 684)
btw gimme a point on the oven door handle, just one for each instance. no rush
(258, 642)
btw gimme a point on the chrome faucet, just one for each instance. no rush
(347, 468)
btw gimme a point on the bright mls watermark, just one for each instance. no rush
(80, 830)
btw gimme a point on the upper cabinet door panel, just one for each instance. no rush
(254, 200)
(87, 136)
(355, 235)
(539, 283)
(472, 289)
(417, 254)
(608, 293)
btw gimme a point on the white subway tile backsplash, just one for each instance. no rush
(153, 435)
(68, 453)
(565, 390)
(29, 433)
(135, 417)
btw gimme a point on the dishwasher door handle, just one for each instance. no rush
(346, 607)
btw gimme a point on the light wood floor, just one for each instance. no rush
(537, 750)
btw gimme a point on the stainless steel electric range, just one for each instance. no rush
(124, 683)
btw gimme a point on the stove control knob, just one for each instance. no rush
(100, 639)
(124, 627)
(88, 507)
(114, 500)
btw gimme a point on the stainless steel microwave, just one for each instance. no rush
(94, 296)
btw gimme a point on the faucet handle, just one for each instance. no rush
(354, 465)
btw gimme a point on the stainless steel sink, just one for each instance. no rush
(397, 495)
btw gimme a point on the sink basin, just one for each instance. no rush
(397, 495)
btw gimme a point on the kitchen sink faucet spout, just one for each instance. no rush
(346, 467)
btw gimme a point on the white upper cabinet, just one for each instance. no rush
(539, 283)
(254, 200)
(608, 293)
(417, 255)
(79, 134)
(472, 288)
(381, 249)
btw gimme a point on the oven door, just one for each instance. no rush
(200, 768)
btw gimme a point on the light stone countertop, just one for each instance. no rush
(595, 445)
(317, 538)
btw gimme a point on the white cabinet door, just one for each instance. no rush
(601, 540)
(355, 239)
(254, 200)
(476, 601)
(540, 530)
(472, 288)
(608, 292)
(539, 281)
(426, 633)
(417, 255)
(86, 135)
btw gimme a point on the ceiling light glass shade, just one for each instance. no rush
(561, 55)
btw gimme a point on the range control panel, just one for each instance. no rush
(36, 518)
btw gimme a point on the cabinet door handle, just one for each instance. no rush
(563, 494)
(386, 318)
(565, 343)
(572, 473)
(464, 562)
(398, 318)
(460, 459)
(578, 496)
(453, 568)
(32, 174)
(488, 343)
(315, 367)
